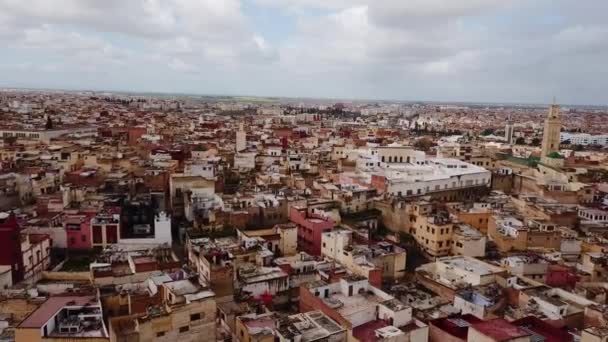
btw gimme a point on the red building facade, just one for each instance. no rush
(310, 229)
(10, 245)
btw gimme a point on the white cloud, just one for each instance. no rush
(432, 49)
(179, 65)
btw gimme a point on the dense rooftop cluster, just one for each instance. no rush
(162, 218)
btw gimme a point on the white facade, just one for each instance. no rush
(204, 168)
(584, 138)
(162, 233)
(434, 175)
(244, 161)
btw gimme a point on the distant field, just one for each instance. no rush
(254, 99)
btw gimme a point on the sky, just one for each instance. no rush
(524, 51)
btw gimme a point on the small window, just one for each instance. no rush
(195, 317)
(160, 334)
(184, 329)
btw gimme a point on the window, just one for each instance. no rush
(195, 317)
(160, 334)
(184, 329)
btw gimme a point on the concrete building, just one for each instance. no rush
(282, 239)
(338, 245)
(259, 281)
(448, 275)
(64, 318)
(594, 334)
(256, 328)
(159, 234)
(433, 229)
(584, 139)
(36, 253)
(105, 228)
(511, 234)
(468, 241)
(446, 178)
(311, 226)
(310, 327)
(366, 311)
(186, 312)
(78, 231)
(529, 266)
(10, 248)
(377, 262)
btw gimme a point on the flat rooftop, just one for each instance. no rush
(471, 265)
(51, 307)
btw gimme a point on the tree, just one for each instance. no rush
(535, 142)
(49, 122)
(10, 141)
(487, 131)
(520, 141)
(424, 144)
(555, 155)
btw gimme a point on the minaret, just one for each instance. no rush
(509, 131)
(241, 138)
(551, 132)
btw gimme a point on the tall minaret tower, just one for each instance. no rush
(241, 138)
(509, 131)
(551, 132)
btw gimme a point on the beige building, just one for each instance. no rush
(187, 314)
(396, 153)
(468, 241)
(282, 239)
(255, 328)
(371, 261)
(594, 334)
(180, 185)
(60, 318)
(432, 230)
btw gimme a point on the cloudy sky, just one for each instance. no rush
(446, 50)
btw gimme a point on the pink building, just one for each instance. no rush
(78, 231)
(310, 228)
